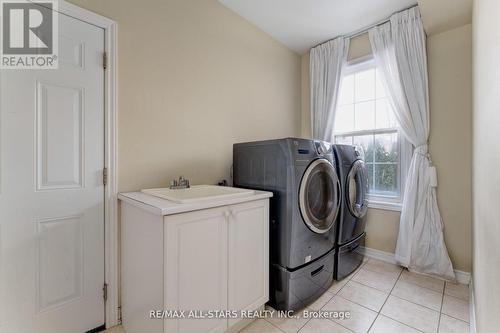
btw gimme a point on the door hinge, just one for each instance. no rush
(105, 176)
(104, 60)
(105, 292)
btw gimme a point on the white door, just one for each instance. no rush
(51, 189)
(248, 250)
(196, 268)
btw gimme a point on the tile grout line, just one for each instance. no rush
(383, 273)
(458, 298)
(463, 321)
(378, 313)
(451, 316)
(347, 328)
(333, 295)
(266, 319)
(377, 288)
(441, 309)
(421, 275)
(362, 266)
(400, 274)
(424, 306)
(463, 299)
(363, 306)
(349, 278)
(270, 324)
(404, 299)
(339, 323)
(425, 287)
(397, 321)
(442, 297)
(419, 286)
(443, 294)
(301, 327)
(390, 294)
(383, 291)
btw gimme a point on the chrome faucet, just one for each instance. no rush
(179, 184)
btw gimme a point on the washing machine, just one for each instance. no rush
(351, 227)
(304, 211)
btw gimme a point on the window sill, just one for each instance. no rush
(393, 206)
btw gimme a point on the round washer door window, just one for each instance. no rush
(357, 189)
(319, 196)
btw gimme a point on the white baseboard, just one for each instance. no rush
(462, 277)
(379, 255)
(472, 308)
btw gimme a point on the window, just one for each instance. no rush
(364, 117)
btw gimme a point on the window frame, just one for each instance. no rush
(380, 201)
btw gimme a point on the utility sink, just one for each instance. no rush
(198, 193)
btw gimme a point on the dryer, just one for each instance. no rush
(304, 211)
(351, 227)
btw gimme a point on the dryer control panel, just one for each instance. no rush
(323, 148)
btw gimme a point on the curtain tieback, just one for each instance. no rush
(423, 150)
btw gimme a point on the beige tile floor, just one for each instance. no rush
(381, 298)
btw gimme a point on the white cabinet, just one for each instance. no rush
(196, 267)
(248, 271)
(211, 259)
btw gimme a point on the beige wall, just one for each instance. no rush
(450, 87)
(486, 175)
(450, 76)
(443, 15)
(196, 77)
(359, 47)
(193, 79)
(305, 116)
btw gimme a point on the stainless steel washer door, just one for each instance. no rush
(319, 196)
(357, 189)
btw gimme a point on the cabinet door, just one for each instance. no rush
(248, 255)
(196, 268)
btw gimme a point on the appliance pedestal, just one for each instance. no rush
(347, 257)
(294, 290)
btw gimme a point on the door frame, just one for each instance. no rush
(111, 243)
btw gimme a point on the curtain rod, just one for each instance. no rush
(365, 29)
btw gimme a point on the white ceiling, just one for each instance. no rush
(301, 24)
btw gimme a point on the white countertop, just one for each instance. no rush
(159, 206)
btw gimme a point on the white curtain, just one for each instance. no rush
(400, 53)
(325, 70)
